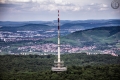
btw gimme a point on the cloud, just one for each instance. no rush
(92, 4)
(102, 9)
(19, 0)
(58, 1)
(2, 1)
(53, 5)
(104, 5)
(97, 6)
(89, 8)
(50, 5)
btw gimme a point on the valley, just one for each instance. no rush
(90, 36)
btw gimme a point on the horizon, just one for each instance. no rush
(60, 20)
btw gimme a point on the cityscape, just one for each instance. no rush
(32, 35)
(47, 48)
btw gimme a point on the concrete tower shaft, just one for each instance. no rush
(59, 65)
(58, 38)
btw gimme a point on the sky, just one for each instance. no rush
(46, 10)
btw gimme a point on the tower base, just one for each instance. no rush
(59, 66)
(59, 69)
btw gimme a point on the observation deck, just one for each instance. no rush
(59, 66)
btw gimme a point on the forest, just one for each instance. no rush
(80, 67)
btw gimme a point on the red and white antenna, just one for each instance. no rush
(59, 65)
(58, 38)
(58, 21)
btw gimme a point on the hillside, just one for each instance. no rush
(24, 63)
(28, 27)
(106, 72)
(85, 25)
(80, 66)
(101, 35)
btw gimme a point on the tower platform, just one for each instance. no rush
(59, 66)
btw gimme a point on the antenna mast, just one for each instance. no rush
(58, 38)
(59, 65)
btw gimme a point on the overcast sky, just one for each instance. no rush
(46, 10)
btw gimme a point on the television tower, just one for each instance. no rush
(59, 65)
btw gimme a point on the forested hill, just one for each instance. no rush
(102, 33)
(28, 27)
(80, 67)
(23, 63)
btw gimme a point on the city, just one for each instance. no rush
(46, 48)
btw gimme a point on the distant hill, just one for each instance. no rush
(64, 24)
(96, 33)
(94, 36)
(28, 27)
(88, 24)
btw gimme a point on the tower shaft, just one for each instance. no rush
(59, 65)
(58, 38)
